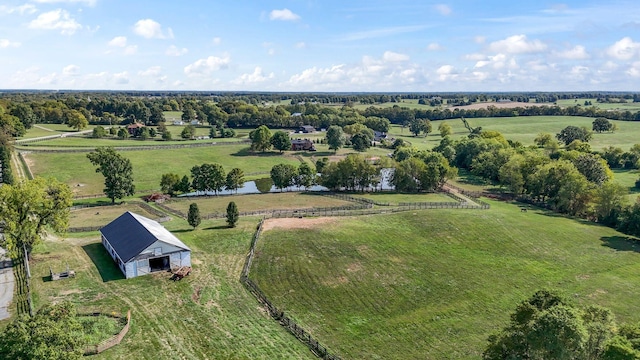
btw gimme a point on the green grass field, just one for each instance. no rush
(102, 215)
(149, 165)
(629, 105)
(435, 284)
(395, 198)
(207, 315)
(255, 202)
(525, 129)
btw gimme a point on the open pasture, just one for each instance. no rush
(396, 198)
(525, 129)
(207, 315)
(628, 105)
(102, 215)
(149, 165)
(256, 202)
(435, 284)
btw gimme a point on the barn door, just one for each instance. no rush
(143, 267)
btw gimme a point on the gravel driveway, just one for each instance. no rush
(7, 282)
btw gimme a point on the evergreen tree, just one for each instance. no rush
(193, 218)
(232, 214)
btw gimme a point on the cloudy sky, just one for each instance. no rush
(320, 45)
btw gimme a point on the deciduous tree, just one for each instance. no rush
(335, 137)
(235, 179)
(117, 172)
(283, 175)
(260, 139)
(281, 141)
(571, 133)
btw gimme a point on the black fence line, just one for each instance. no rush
(22, 297)
(289, 324)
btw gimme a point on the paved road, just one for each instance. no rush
(7, 283)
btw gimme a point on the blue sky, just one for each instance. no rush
(314, 45)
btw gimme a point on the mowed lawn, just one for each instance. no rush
(207, 315)
(435, 284)
(396, 198)
(102, 215)
(255, 202)
(149, 165)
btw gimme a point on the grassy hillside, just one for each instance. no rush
(435, 284)
(207, 315)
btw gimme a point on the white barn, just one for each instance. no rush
(140, 246)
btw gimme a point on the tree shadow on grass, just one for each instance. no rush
(248, 152)
(103, 262)
(218, 227)
(621, 243)
(183, 230)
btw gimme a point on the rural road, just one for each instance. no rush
(7, 282)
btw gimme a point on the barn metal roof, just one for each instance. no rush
(131, 233)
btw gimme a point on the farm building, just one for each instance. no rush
(134, 128)
(141, 246)
(306, 144)
(306, 129)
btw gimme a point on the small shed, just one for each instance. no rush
(140, 246)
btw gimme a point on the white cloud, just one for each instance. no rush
(71, 70)
(383, 32)
(152, 71)
(390, 56)
(131, 49)
(150, 29)
(479, 39)
(576, 53)
(517, 44)
(434, 47)
(578, 72)
(271, 52)
(22, 9)
(121, 78)
(624, 49)
(498, 61)
(118, 41)
(446, 72)
(256, 77)
(56, 20)
(217, 40)
(5, 43)
(283, 15)
(86, 2)
(475, 57)
(175, 51)
(443, 9)
(300, 45)
(634, 70)
(208, 65)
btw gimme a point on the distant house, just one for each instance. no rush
(195, 122)
(134, 128)
(379, 135)
(140, 246)
(306, 129)
(300, 144)
(178, 122)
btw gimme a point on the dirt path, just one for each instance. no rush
(296, 223)
(467, 199)
(43, 128)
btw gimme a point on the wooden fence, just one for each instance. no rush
(81, 149)
(109, 343)
(278, 315)
(22, 297)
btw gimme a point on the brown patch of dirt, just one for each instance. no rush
(295, 223)
(196, 295)
(499, 105)
(336, 281)
(70, 291)
(354, 267)
(100, 296)
(196, 261)
(597, 293)
(583, 277)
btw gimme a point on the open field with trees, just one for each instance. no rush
(102, 215)
(434, 284)
(245, 203)
(206, 315)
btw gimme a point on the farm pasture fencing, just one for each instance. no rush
(111, 342)
(300, 333)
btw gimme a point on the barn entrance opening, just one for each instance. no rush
(159, 263)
